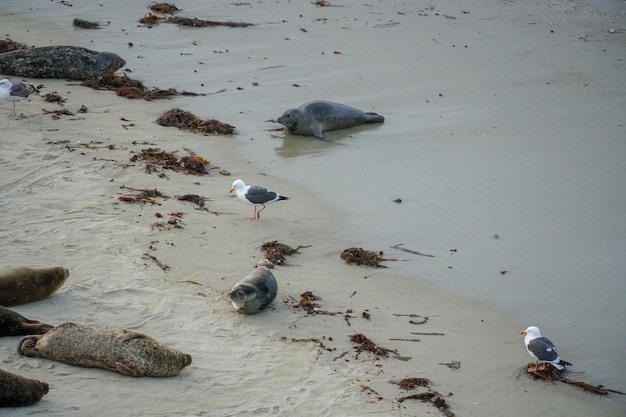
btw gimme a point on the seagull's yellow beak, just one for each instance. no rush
(231, 190)
(522, 332)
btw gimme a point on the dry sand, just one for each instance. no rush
(61, 180)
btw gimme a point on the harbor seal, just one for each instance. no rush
(17, 390)
(21, 285)
(14, 324)
(319, 116)
(255, 292)
(65, 62)
(117, 350)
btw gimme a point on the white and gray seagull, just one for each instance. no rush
(17, 91)
(255, 195)
(542, 349)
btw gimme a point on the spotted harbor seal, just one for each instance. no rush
(14, 324)
(319, 116)
(65, 62)
(17, 390)
(255, 195)
(255, 292)
(20, 285)
(17, 91)
(117, 350)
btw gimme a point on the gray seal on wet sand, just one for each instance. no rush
(65, 62)
(17, 390)
(117, 350)
(255, 292)
(319, 116)
(13, 323)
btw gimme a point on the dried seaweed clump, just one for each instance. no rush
(85, 24)
(363, 343)
(275, 251)
(54, 97)
(412, 383)
(195, 165)
(361, 256)
(141, 195)
(7, 45)
(165, 8)
(307, 302)
(189, 121)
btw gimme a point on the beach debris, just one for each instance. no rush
(195, 165)
(369, 390)
(275, 251)
(412, 383)
(166, 8)
(319, 342)
(362, 256)
(161, 265)
(195, 22)
(150, 19)
(398, 246)
(144, 195)
(363, 343)
(194, 198)
(452, 364)
(8, 44)
(550, 373)
(423, 320)
(307, 302)
(399, 339)
(189, 121)
(65, 62)
(124, 86)
(434, 397)
(85, 24)
(54, 97)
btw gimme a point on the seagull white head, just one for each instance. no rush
(531, 332)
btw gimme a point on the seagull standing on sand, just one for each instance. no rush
(17, 91)
(542, 349)
(255, 195)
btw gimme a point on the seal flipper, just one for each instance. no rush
(28, 346)
(371, 117)
(126, 370)
(316, 130)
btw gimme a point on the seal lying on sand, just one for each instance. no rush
(316, 117)
(20, 285)
(117, 350)
(255, 292)
(17, 390)
(65, 62)
(14, 324)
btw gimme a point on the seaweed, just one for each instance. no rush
(85, 24)
(548, 372)
(412, 383)
(189, 121)
(195, 22)
(431, 396)
(144, 195)
(54, 97)
(363, 343)
(164, 8)
(275, 251)
(361, 256)
(8, 44)
(195, 165)
(196, 199)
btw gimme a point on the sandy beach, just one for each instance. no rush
(62, 179)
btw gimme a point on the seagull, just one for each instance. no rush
(542, 349)
(255, 195)
(17, 92)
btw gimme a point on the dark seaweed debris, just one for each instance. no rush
(363, 343)
(431, 396)
(7, 45)
(412, 383)
(361, 256)
(85, 24)
(547, 372)
(141, 195)
(196, 199)
(124, 86)
(189, 121)
(195, 22)
(54, 97)
(275, 251)
(195, 165)
(164, 8)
